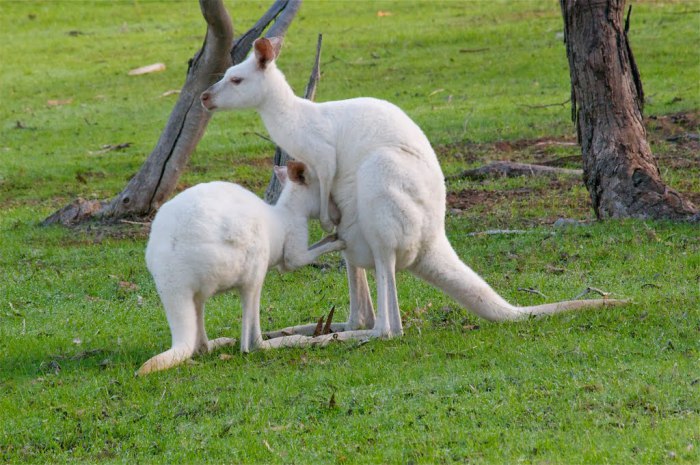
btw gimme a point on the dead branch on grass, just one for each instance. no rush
(508, 169)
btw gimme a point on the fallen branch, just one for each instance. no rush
(512, 169)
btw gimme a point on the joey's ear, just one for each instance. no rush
(297, 172)
(266, 50)
(281, 174)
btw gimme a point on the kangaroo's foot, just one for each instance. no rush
(304, 330)
(298, 340)
(220, 342)
(320, 328)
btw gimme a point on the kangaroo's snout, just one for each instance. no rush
(207, 100)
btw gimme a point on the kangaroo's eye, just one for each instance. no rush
(236, 80)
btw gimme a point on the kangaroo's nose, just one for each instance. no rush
(207, 101)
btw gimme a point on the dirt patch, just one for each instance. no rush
(466, 199)
(96, 231)
(674, 138)
(675, 126)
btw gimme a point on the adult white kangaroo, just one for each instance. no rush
(217, 236)
(387, 182)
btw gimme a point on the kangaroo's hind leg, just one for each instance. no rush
(182, 315)
(203, 344)
(251, 337)
(361, 309)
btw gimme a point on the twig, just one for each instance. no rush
(109, 147)
(532, 291)
(262, 136)
(493, 232)
(310, 92)
(547, 105)
(267, 446)
(472, 50)
(588, 290)
(138, 223)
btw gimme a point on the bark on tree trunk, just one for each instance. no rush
(158, 176)
(620, 172)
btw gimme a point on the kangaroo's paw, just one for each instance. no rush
(220, 342)
(295, 340)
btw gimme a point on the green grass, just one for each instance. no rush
(79, 312)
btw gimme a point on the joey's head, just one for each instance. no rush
(301, 191)
(247, 84)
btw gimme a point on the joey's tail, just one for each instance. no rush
(441, 267)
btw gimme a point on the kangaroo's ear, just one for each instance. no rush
(281, 174)
(297, 172)
(266, 50)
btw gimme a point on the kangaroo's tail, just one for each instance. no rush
(440, 266)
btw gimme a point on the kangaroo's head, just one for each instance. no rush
(246, 84)
(301, 191)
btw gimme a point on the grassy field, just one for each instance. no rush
(486, 81)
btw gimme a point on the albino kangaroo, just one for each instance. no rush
(387, 183)
(217, 236)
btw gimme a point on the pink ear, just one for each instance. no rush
(281, 173)
(266, 50)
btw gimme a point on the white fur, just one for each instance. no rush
(218, 236)
(386, 180)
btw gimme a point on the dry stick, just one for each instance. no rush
(588, 290)
(547, 105)
(532, 291)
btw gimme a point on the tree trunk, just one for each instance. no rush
(620, 172)
(274, 188)
(158, 176)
